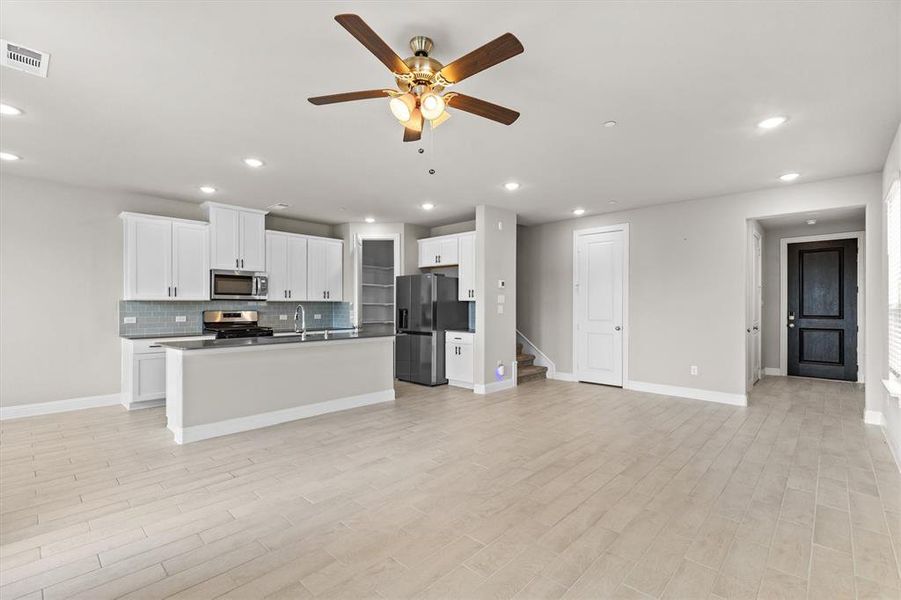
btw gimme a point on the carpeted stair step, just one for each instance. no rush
(524, 360)
(530, 373)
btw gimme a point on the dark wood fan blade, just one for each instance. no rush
(349, 96)
(358, 28)
(413, 127)
(492, 53)
(482, 108)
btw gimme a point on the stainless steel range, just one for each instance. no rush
(233, 324)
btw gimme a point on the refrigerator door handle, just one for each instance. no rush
(402, 321)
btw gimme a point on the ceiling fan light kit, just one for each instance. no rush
(421, 79)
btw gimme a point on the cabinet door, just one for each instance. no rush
(190, 262)
(224, 238)
(453, 367)
(148, 261)
(466, 363)
(334, 271)
(253, 241)
(149, 376)
(316, 277)
(297, 268)
(448, 251)
(428, 252)
(277, 261)
(467, 282)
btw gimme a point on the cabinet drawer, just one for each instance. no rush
(459, 337)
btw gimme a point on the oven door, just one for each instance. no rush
(237, 285)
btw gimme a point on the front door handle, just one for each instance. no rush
(791, 325)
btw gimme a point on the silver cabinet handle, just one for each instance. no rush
(154, 346)
(242, 263)
(236, 263)
(175, 291)
(169, 291)
(290, 293)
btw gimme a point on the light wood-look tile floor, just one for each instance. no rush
(553, 490)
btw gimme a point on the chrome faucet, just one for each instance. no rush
(303, 319)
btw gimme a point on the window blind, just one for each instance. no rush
(893, 228)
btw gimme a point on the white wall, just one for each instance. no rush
(771, 315)
(60, 283)
(687, 280)
(495, 337)
(877, 309)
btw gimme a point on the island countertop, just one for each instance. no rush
(319, 336)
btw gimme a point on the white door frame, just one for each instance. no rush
(358, 264)
(755, 296)
(624, 228)
(860, 236)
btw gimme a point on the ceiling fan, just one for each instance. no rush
(421, 79)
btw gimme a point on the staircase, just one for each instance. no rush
(527, 370)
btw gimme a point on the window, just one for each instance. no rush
(893, 229)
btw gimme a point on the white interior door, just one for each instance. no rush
(756, 301)
(599, 308)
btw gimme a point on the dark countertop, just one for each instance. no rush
(161, 336)
(284, 339)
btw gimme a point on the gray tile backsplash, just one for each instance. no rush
(158, 318)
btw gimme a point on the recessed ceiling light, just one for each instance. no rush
(253, 162)
(811, 221)
(789, 177)
(609, 124)
(511, 186)
(9, 156)
(772, 122)
(207, 189)
(9, 111)
(369, 219)
(579, 212)
(278, 206)
(612, 202)
(427, 206)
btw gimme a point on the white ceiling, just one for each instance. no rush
(161, 98)
(855, 216)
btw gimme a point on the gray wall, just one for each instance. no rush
(687, 280)
(61, 281)
(461, 227)
(771, 318)
(495, 251)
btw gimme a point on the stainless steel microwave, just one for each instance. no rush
(238, 285)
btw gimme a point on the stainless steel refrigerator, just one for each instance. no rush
(427, 306)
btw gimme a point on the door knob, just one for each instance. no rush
(791, 324)
(617, 328)
(748, 330)
(756, 328)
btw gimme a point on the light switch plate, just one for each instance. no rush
(283, 317)
(501, 299)
(181, 319)
(317, 316)
(130, 320)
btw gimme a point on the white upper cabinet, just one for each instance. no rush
(325, 269)
(439, 251)
(190, 261)
(237, 237)
(253, 241)
(165, 259)
(286, 258)
(467, 260)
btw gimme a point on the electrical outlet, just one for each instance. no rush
(283, 317)
(693, 369)
(501, 284)
(181, 319)
(317, 316)
(500, 309)
(130, 320)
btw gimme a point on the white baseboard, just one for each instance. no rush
(772, 371)
(57, 406)
(563, 376)
(195, 433)
(873, 417)
(460, 384)
(145, 404)
(685, 392)
(494, 386)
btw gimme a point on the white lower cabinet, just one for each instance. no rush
(144, 371)
(458, 358)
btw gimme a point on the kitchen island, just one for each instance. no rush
(224, 386)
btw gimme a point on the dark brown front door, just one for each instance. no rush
(822, 309)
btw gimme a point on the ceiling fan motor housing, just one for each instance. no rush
(422, 68)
